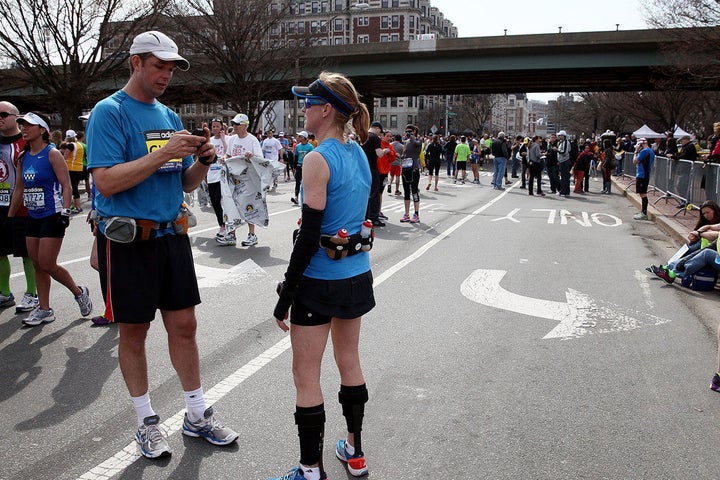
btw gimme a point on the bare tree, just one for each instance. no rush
(244, 46)
(475, 112)
(695, 48)
(57, 47)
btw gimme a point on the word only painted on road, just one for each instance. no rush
(564, 217)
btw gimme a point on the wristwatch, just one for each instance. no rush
(65, 211)
(204, 161)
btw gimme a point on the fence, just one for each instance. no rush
(681, 181)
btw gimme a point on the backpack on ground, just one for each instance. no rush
(703, 280)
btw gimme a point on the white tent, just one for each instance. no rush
(647, 132)
(679, 133)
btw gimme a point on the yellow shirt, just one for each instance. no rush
(75, 161)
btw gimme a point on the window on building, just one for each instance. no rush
(301, 27)
(323, 26)
(339, 40)
(393, 121)
(363, 39)
(394, 101)
(274, 30)
(291, 27)
(384, 21)
(339, 24)
(301, 8)
(395, 3)
(422, 103)
(395, 21)
(383, 119)
(338, 5)
(314, 26)
(384, 38)
(384, 3)
(412, 21)
(395, 37)
(363, 21)
(323, 7)
(410, 119)
(315, 6)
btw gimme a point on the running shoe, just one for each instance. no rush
(294, 200)
(227, 239)
(295, 474)
(652, 269)
(398, 193)
(665, 275)
(209, 428)
(7, 300)
(84, 301)
(250, 240)
(389, 189)
(101, 320)
(405, 218)
(382, 216)
(415, 218)
(428, 187)
(151, 439)
(39, 316)
(355, 464)
(640, 216)
(28, 304)
(715, 385)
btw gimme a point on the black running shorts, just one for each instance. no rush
(641, 185)
(144, 276)
(318, 301)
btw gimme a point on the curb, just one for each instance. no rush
(676, 230)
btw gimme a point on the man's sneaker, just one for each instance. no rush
(39, 316)
(665, 275)
(405, 218)
(715, 385)
(84, 301)
(415, 218)
(209, 428)
(294, 200)
(7, 301)
(151, 439)
(382, 216)
(640, 216)
(652, 269)
(355, 464)
(101, 320)
(28, 304)
(295, 474)
(227, 239)
(250, 240)
(389, 189)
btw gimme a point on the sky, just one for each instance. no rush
(542, 16)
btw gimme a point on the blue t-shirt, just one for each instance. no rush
(645, 159)
(43, 192)
(302, 150)
(347, 193)
(122, 129)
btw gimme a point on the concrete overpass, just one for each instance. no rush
(563, 62)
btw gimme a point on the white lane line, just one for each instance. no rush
(128, 455)
(645, 287)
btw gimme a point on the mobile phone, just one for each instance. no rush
(200, 133)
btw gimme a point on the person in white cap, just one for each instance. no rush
(141, 159)
(242, 144)
(44, 188)
(563, 153)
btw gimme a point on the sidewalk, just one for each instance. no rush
(665, 213)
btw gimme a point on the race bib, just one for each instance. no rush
(4, 195)
(34, 198)
(155, 139)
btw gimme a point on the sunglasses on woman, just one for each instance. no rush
(309, 102)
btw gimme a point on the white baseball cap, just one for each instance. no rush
(240, 119)
(70, 134)
(159, 45)
(303, 134)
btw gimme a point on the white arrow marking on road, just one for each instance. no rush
(240, 274)
(580, 315)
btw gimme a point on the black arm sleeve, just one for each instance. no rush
(306, 245)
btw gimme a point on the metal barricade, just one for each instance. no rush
(706, 183)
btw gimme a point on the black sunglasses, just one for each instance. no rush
(7, 114)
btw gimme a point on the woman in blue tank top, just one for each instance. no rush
(44, 187)
(328, 291)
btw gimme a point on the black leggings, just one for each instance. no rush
(215, 201)
(411, 180)
(75, 178)
(298, 179)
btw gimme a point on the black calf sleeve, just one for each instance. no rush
(353, 400)
(311, 429)
(644, 205)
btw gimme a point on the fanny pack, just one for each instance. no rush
(338, 251)
(128, 230)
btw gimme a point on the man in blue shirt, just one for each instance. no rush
(644, 158)
(141, 159)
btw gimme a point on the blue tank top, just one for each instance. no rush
(347, 195)
(43, 193)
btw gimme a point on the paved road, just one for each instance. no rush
(515, 337)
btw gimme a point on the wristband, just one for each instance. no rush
(205, 162)
(65, 211)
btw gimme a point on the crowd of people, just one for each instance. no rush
(142, 161)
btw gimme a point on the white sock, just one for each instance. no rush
(310, 473)
(349, 449)
(195, 404)
(142, 406)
